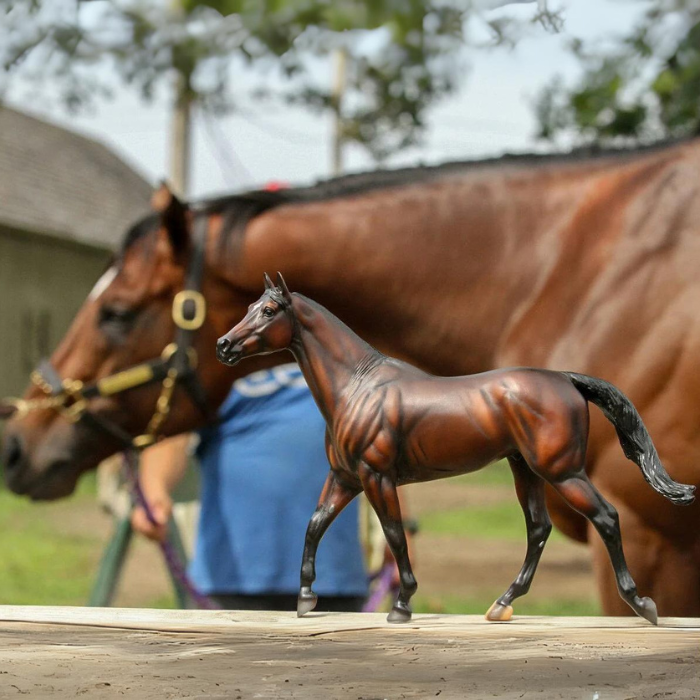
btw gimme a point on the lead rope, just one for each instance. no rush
(172, 559)
(382, 586)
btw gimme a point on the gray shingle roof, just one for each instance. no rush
(57, 182)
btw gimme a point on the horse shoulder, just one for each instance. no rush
(367, 423)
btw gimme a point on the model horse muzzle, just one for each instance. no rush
(228, 352)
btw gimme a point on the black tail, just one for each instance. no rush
(634, 438)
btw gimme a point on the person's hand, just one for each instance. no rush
(162, 507)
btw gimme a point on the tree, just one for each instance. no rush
(644, 87)
(410, 61)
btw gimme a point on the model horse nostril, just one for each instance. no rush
(222, 345)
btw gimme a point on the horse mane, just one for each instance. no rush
(138, 231)
(239, 209)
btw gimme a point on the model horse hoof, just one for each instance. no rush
(499, 612)
(646, 608)
(399, 613)
(306, 601)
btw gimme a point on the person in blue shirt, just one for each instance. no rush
(263, 466)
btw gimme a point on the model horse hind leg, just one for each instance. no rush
(334, 497)
(530, 490)
(380, 490)
(582, 496)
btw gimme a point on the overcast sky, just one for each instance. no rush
(492, 113)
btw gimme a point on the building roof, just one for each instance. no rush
(57, 182)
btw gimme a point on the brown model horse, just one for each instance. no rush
(389, 424)
(587, 264)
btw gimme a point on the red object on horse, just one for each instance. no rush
(276, 186)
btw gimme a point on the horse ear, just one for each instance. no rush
(268, 281)
(173, 216)
(283, 286)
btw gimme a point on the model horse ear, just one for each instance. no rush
(283, 286)
(268, 281)
(173, 217)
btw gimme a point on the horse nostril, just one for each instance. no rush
(12, 453)
(223, 344)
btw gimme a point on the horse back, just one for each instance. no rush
(431, 427)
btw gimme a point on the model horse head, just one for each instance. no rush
(267, 327)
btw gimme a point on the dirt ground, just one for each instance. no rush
(149, 655)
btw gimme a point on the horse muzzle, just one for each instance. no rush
(14, 461)
(56, 481)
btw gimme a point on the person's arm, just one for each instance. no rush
(161, 469)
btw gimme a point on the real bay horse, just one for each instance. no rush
(389, 423)
(588, 264)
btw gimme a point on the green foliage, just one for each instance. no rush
(37, 565)
(497, 474)
(47, 555)
(503, 521)
(644, 88)
(410, 62)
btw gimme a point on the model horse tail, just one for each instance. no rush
(634, 438)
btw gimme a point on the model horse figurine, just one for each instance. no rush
(390, 423)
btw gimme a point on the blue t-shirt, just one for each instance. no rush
(263, 467)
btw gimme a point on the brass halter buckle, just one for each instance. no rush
(70, 402)
(166, 396)
(200, 309)
(22, 406)
(74, 404)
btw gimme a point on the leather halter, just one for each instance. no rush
(177, 365)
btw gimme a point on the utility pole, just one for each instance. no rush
(181, 123)
(340, 61)
(181, 137)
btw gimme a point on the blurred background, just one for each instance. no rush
(101, 99)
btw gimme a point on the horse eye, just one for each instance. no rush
(268, 312)
(116, 318)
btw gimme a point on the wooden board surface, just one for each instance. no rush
(145, 654)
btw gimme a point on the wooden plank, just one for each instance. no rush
(108, 653)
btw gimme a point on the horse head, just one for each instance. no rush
(135, 336)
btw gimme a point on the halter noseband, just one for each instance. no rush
(177, 364)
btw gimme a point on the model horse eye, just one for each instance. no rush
(268, 312)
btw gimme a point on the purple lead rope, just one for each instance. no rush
(173, 561)
(383, 585)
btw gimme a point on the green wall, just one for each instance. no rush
(43, 282)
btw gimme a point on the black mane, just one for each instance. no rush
(138, 231)
(240, 208)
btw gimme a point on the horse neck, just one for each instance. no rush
(328, 352)
(405, 274)
(445, 274)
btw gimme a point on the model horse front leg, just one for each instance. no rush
(380, 490)
(334, 497)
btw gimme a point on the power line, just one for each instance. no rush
(283, 133)
(226, 157)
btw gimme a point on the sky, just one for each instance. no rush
(490, 114)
